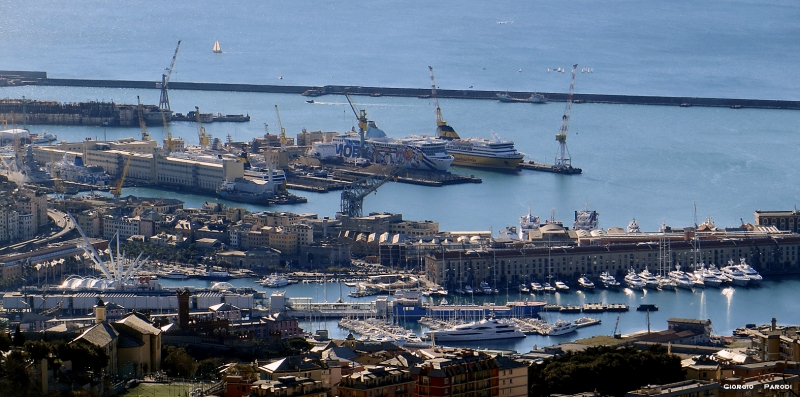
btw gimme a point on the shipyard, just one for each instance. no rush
(293, 199)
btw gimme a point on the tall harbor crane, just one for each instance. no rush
(361, 116)
(202, 137)
(117, 190)
(169, 144)
(443, 130)
(142, 124)
(353, 194)
(563, 162)
(283, 131)
(163, 103)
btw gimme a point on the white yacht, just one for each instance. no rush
(666, 283)
(633, 280)
(274, 281)
(649, 279)
(562, 327)
(752, 274)
(482, 330)
(523, 289)
(485, 288)
(736, 275)
(585, 283)
(608, 280)
(536, 287)
(548, 288)
(680, 278)
(561, 286)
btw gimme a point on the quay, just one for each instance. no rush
(587, 308)
(40, 78)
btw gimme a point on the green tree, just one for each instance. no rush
(19, 337)
(5, 342)
(178, 363)
(207, 369)
(17, 383)
(609, 370)
(37, 350)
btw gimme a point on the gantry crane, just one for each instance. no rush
(142, 124)
(353, 195)
(563, 161)
(361, 116)
(283, 131)
(163, 103)
(443, 130)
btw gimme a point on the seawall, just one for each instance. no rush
(35, 78)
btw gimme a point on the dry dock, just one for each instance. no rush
(530, 165)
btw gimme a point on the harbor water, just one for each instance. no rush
(727, 308)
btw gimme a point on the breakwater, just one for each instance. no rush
(39, 78)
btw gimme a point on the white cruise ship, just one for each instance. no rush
(482, 330)
(415, 152)
(485, 153)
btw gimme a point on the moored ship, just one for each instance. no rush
(415, 152)
(482, 330)
(485, 153)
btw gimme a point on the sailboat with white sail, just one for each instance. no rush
(217, 49)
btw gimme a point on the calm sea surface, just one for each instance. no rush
(645, 162)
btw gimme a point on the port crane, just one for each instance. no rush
(353, 195)
(283, 131)
(563, 162)
(163, 103)
(443, 130)
(203, 138)
(361, 116)
(142, 124)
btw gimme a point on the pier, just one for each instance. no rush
(40, 78)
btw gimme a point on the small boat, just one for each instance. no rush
(561, 286)
(647, 307)
(536, 287)
(585, 283)
(217, 49)
(548, 288)
(468, 289)
(523, 289)
(310, 101)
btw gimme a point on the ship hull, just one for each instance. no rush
(471, 160)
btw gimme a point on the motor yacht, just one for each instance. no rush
(561, 327)
(608, 280)
(634, 281)
(585, 284)
(483, 330)
(752, 274)
(649, 279)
